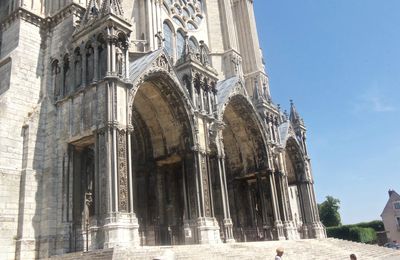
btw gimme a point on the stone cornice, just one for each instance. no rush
(21, 13)
(40, 21)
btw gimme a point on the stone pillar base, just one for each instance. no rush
(121, 229)
(190, 229)
(279, 233)
(208, 231)
(228, 230)
(317, 230)
(304, 232)
(26, 249)
(290, 231)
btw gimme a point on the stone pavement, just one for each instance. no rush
(332, 249)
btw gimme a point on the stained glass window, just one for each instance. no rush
(193, 45)
(180, 42)
(168, 36)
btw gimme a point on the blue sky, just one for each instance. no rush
(339, 60)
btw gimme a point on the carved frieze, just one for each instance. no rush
(122, 171)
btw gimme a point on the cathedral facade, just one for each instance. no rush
(143, 122)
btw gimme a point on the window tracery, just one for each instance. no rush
(187, 14)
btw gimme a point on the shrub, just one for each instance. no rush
(353, 233)
(377, 225)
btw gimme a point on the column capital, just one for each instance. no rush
(130, 129)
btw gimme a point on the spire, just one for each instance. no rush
(96, 9)
(111, 7)
(92, 11)
(294, 115)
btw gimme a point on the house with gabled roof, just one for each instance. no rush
(391, 216)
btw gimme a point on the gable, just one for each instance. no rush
(389, 208)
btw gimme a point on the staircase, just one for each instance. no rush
(330, 248)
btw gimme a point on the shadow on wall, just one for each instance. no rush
(31, 230)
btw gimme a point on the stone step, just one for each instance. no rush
(331, 249)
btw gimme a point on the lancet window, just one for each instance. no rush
(180, 44)
(169, 38)
(66, 75)
(78, 68)
(89, 64)
(55, 72)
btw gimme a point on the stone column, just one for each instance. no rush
(71, 87)
(150, 31)
(130, 170)
(279, 234)
(228, 224)
(119, 225)
(210, 109)
(289, 228)
(314, 228)
(109, 54)
(113, 57)
(126, 65)
(207, 225)
(83, 65)
(96, 61)
(192, 89)
(62, 80)
(201, 98)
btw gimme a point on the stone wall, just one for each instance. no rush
(21, 149)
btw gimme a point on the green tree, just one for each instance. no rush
(329, 212)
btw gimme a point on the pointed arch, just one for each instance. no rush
(168, 32)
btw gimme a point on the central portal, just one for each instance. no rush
(160, 204)
(162, 165)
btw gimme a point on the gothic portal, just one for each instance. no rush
(145, 122)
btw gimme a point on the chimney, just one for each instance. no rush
(390, 193)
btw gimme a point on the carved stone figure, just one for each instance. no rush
(120, 60)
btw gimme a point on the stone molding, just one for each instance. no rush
(44, 22)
